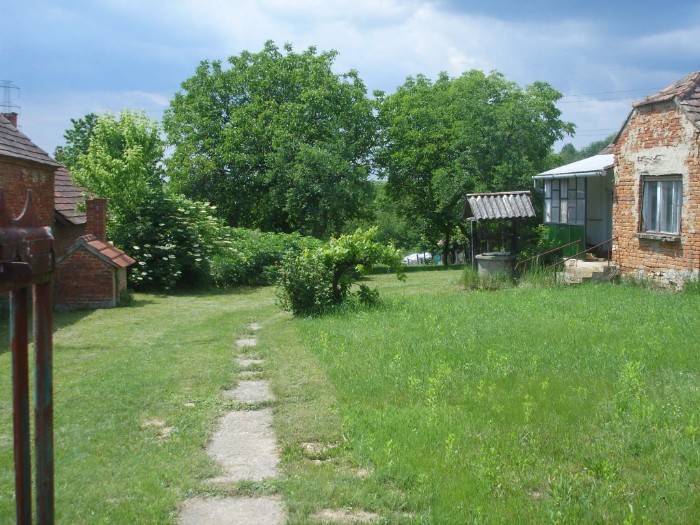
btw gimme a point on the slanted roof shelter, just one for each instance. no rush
(511, 205)
(503, 205)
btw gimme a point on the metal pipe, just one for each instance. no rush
(19, 303)
(43, 409)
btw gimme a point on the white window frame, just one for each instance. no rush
(565, 201)
(662, 200)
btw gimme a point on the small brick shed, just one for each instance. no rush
(656, 207)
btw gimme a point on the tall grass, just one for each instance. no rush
(522, 405)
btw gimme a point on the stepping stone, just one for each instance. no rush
(245, 446)
(245, 363)
(232, 511)
(250, 374)
(255, 326)
(246, 342)
(251, 392)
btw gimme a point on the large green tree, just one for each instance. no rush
(474, 133)
(277, 140)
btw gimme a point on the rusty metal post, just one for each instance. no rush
(26, 261)
(19, 303)
(43, 405)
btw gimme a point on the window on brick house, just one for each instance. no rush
(565, 201)
(661, 205)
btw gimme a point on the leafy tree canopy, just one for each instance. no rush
(473, 133)
(123, 161)
(277, 140)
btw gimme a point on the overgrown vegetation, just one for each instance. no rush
(444, 406)
(525, 404)
(316, 279)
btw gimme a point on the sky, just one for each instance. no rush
(67, 58)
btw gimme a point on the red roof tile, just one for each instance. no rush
(686, 91)
(104, 250)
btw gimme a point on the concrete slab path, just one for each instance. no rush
(233, 511)
(250, 391)
(245, 446)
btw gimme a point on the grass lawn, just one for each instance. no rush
(442, 406)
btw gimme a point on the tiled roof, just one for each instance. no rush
(505, 205)
(67, 197)
(104, 250)
(686, 91)
(14, 143)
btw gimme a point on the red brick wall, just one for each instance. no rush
(84, 281)
(658, 139)
(16, 177)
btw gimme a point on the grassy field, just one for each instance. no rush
(440, 406)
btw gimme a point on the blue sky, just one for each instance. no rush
(73, 57)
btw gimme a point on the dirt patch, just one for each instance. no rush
(316, 450)
(344, 516)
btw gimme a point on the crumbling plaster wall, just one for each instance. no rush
(658, 139)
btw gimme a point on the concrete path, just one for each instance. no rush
(245, 446)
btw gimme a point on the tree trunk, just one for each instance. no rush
(446, 250)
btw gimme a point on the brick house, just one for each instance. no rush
(24, 166)
(90, 272)
(643, 191)
(656, 209)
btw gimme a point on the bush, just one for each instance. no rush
(172, 239)
(317, 279)
(253, 257)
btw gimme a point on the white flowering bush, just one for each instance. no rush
(173, 240)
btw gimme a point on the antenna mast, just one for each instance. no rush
(7, 105)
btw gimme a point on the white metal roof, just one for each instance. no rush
(594, 166)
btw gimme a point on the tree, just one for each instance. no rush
(123, 162)
(277, 141)
(77, 140)
(171, 237)
(474, 133)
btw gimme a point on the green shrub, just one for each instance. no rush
(253, 257)
(172, 239)
(317, 279)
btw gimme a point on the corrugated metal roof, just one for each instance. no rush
(594, 166)
(504, 205)
(67, 197)
(14, 143)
